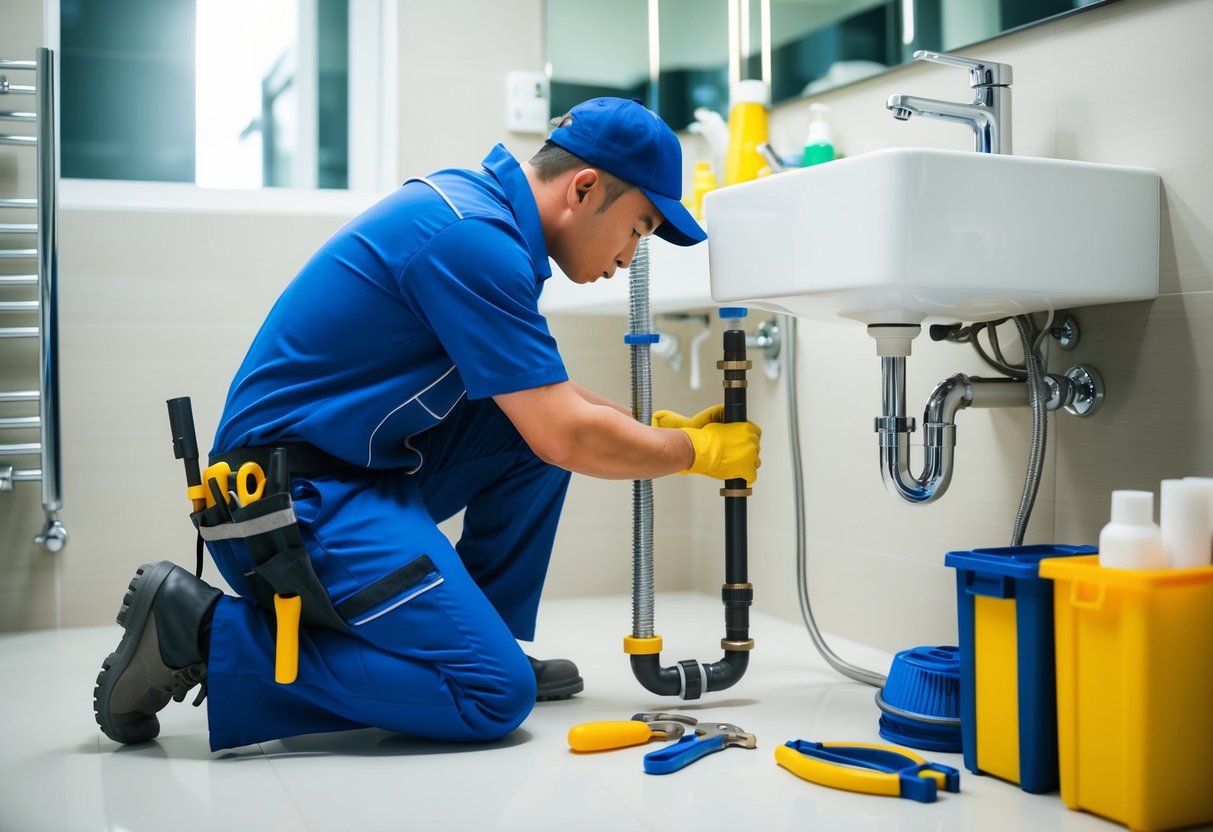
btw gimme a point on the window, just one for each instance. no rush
(224, 93)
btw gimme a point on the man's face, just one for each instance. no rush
(605, 240)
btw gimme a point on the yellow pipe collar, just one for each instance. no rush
(641, 646)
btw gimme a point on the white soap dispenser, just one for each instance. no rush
(1132, 540)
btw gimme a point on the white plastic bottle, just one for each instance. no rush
(1132, 540)
(1184, 516)
(1207, 484)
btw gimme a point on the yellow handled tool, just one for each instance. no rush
(871, 769)
(216, 479)
(603, 736)
(250, 483)
(286, 652)
(250, 487)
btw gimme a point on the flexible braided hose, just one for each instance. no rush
(1038, 396)
(640, 326)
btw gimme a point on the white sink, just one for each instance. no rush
(906, 234)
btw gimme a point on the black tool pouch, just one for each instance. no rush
(281, 565)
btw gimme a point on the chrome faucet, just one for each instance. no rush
(989, 115)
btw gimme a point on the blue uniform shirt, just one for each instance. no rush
(430, 295)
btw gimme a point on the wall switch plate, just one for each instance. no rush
(527, 102)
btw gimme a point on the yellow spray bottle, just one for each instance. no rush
(747, 130)
(703, 181)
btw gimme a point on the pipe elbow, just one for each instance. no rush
(947, 399)
(936, 474)
(662, 681)
(918, 491)
(725, 673)
(689, 679)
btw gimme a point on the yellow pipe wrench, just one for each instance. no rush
(871, 769)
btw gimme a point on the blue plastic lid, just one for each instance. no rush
(1013, 561)
(920, 701)
(733, 312)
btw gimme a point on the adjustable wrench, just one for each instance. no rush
(708, 738)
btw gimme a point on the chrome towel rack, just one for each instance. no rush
(45, 280)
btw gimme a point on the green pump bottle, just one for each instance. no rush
(818, 147)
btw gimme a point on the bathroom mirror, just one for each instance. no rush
(677, 55)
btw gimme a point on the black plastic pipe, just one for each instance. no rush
(689, 679)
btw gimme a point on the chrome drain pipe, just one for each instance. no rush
(939, 417)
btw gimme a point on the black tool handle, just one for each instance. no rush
(277, 478)
(185, 441)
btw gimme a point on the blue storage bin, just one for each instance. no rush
(1008, 690)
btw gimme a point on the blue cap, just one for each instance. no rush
(628, 140)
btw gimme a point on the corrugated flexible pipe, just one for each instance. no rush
(640, 327)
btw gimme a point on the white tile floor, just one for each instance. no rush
(60, 774)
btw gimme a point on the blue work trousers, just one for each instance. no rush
(436, 655)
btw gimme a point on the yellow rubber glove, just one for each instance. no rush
(670, 419)
(726, 451)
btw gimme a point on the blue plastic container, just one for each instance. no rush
(1008, 690)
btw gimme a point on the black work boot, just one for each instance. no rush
(555, 679)
(159, 657)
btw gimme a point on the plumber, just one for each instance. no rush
(409, 374)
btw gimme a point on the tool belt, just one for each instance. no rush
(301, 459)
(280, 561)
(236, 499)
(268, 526)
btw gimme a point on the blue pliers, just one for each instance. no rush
(873, 769)
(709, 737)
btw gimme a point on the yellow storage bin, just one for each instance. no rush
(1134, 691)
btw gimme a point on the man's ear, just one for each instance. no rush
(581, 184)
